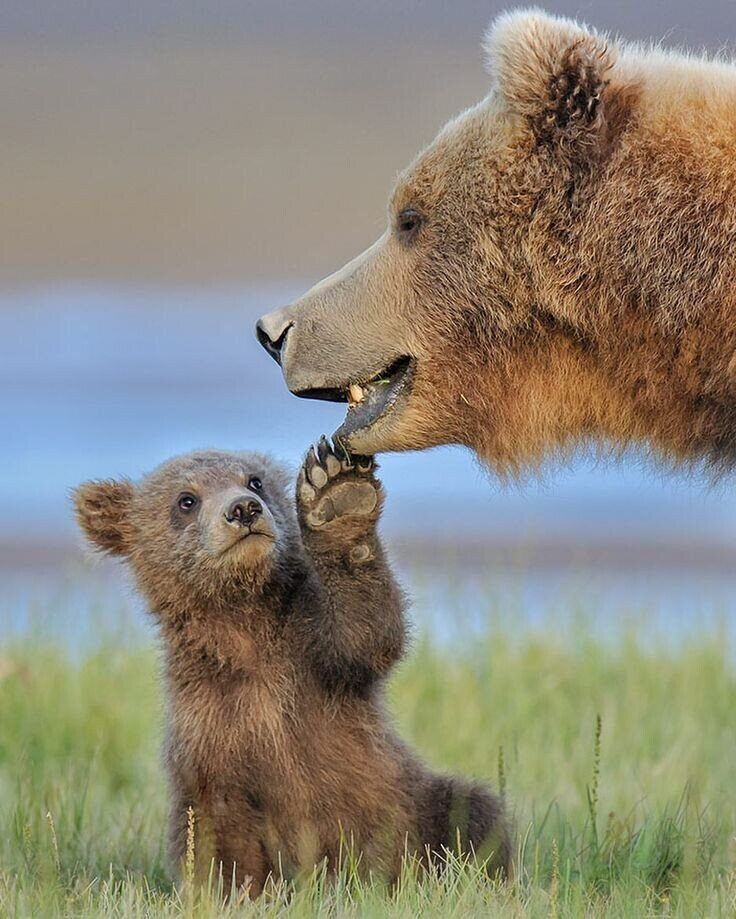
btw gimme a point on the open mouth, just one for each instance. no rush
(371, 400)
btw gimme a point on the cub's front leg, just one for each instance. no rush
(359, 630)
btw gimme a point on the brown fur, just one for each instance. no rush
(276, 646)
(573, 277)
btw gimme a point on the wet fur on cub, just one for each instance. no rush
(279, 625)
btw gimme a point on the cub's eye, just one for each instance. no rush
(255, 483)
(187, 502)
(408, 224)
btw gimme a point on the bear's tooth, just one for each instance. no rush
(355, 393)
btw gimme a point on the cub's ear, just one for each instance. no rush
(103, 513)
(553, 72)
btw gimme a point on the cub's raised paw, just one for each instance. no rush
(332, 486)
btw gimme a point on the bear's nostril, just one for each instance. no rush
(273, 341)
(243, 511)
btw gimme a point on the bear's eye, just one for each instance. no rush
(255, 483)
(187, 502)
(408, 223)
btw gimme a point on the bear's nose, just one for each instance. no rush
(271, 332)
(243, 511)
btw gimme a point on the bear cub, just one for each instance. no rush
(280, 621)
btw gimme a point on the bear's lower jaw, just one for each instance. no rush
(379, 398)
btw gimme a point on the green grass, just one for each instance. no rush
(618, 758)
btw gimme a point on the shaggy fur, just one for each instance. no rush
(279, 626)
(572, 278)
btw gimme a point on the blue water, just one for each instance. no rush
(88, 602)
(102, 382)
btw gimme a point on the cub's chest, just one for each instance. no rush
(230, 718)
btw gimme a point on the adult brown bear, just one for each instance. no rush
(559, 265)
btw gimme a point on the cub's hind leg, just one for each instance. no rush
(466, 818)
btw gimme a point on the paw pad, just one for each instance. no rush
(332, 486)
(360, 554)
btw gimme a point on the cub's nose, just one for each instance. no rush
(271, 332)
(243, 511)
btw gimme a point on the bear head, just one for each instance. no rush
(204, 528)
(454, 326)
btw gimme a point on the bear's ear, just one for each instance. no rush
(551, 71)
(103, 512)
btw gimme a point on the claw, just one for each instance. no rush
(323, 449)
(343, 454)
(328, 457)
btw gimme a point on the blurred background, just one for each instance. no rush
(171, 169)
